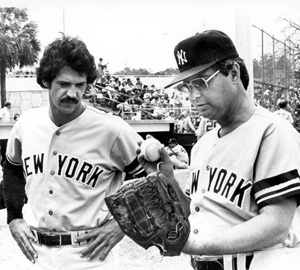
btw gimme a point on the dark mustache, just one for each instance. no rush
(70, 100)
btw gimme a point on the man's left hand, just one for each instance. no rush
(101, 240)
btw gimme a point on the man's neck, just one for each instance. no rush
(60, 119)
(238, 118)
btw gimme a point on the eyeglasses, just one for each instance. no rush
(198, 83)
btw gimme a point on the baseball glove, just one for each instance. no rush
(149, 212)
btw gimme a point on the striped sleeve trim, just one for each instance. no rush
(274, 189)
(13, 163)
(134, 170)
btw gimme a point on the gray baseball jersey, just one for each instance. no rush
(70, 169)
(232, 177)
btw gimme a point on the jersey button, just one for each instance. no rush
(203, 190)
(52, 172)
(197, 209)
(50, 213)
(207, 167)
(195, 231)
(54, 153)
(51, 191)
(57, 133)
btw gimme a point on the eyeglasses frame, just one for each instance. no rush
(189, 84)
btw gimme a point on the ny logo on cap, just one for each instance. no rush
(181, 57)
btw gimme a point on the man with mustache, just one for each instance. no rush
(72, 156)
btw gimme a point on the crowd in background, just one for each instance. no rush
(271, 100)
(131, 99)
(134, 100)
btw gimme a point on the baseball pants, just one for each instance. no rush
(67, 257)
(217, 264)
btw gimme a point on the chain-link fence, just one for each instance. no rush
(276, 73)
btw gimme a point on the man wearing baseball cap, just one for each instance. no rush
(242, 194)
(178, 154)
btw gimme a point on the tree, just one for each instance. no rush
(256, 69)
(18, 43)
(292, 34)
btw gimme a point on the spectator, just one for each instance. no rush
(282, 112)
(170, 115)
(178, 155)
(188, 126)
(138, 81)
(16, 116)
(125, 110)
(101, 70)
(146, 107)
(159, 112)
(145, 89)
(135, 98)
(186, 104)
(5, 112)
(129, 82)
(205, 126)
(4, 117)
(152, 88)
(177, 103)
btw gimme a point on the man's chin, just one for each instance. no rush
(68, 109)
(206, 114)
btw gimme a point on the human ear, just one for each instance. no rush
(46, 84)
(235, 72)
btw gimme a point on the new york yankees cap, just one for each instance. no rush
(201, 51)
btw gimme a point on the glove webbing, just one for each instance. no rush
(146, 227)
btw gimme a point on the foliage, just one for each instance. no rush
(168, 71)
(292, 34)
(18, 43)
(142, 71)
(282, 66)
(257, 68)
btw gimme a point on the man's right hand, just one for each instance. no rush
(22, 234)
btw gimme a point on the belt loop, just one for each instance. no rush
(37, 235)
(75, 235)
(227, 260)
(34, 232)
(241, 261)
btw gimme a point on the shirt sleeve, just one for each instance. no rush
(124, 151)
(13, 176)
(14, 145)
(276, 172)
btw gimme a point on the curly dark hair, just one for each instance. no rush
(226, 65)
(66, 51)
